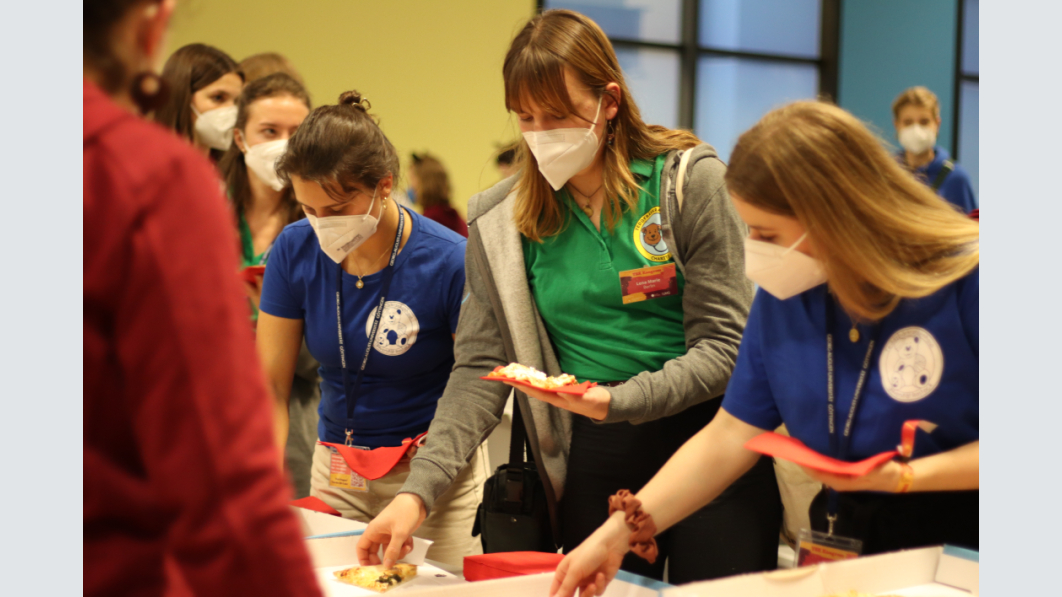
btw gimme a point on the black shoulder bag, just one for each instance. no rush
(514, 515)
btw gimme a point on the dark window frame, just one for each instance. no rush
(961, 76)
(690, 51)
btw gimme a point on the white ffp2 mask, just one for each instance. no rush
(214, 127)
(917, 139)
(339, 235)
(563, 153)
(780, 271)
(262, 160)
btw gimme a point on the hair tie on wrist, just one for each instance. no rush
(641, 525)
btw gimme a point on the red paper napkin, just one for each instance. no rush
(250, 273)
(575, 389)
(373, 464)
(793, 450)
(315, 504)
(511, 563)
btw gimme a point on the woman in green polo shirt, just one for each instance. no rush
(269, 110)
(586, 262)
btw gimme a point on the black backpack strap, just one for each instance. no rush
(945, 170)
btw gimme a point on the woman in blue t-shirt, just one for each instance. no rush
(868, 294)
(327, 274)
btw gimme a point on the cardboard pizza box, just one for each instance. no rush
(332, 540)
(941, 571)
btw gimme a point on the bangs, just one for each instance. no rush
(537, 77)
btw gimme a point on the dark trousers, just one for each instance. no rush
(889, 522)
(735, 534)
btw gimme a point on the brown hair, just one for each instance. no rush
(232, 166)
(534, 68)
(916, 96)
(264, 64)
(99, 19)
(434, 181)
(188, 70)
(340, 146)
(882, 235)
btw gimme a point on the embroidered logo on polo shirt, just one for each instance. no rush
(911, 364)
(649, 237)
(398, 329)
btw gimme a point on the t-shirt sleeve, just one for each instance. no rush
(278, 299)
(455, 293)
(970, 309)
(748, 395)
(958, 190)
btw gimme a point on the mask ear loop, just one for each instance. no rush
(795, 245)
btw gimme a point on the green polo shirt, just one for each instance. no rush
(574, 278)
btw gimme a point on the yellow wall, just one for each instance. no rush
(431, 69)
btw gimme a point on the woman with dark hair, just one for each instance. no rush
(586, 262)
(269, 111)
(430, 185)
(203, 84)
(376, 289)
(181, 485)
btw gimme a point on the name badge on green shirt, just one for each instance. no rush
(648, 282)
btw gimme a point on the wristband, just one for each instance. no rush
(906, 478)
(638, 522)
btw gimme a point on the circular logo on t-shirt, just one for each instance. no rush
(911, 364)
(649, 237)
(398, 329)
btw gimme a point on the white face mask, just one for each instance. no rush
(563, 153)
(262, 160)
(917, 139)
(339, 235)
(780, 271)
(214, 127)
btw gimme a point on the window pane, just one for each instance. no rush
(970, 41)
(968, 134)
(642, 20)
(734, 93)
(768, 26)
(653, 78)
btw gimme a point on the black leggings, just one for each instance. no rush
(735, 534)
(890, 522)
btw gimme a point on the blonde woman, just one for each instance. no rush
(862, 265)
(549, 266)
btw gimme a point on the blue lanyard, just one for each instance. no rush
(839, 446)
(349, 392)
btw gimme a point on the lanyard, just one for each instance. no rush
(839, 446)
(350, 392)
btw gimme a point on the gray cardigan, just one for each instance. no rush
(500, 324)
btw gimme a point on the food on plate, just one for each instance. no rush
(377, 578)
(518, 372)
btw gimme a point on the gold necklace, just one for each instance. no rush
(589, 211)
(359, 284)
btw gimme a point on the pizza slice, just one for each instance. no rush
(530, 375)
(377, 578)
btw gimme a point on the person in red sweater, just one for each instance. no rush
(181, 488)
(429, 185)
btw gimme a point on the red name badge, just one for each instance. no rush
(648, 283)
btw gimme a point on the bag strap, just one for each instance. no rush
(945, 170)
(683, 164)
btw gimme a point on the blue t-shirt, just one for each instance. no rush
(925, 366)
(414, 352)
(956, 188)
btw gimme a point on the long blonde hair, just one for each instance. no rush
(534, 69)
(882, 235)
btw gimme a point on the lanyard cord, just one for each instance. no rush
(349, 393)
(840, 446)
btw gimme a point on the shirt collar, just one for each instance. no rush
(643, 168)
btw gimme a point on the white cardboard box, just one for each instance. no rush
(926, 572)
(535, 585)
(332, 540)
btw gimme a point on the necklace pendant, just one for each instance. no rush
(360, 284)
(589, 211)
(853, 335)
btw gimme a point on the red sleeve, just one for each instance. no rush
(201, 413)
